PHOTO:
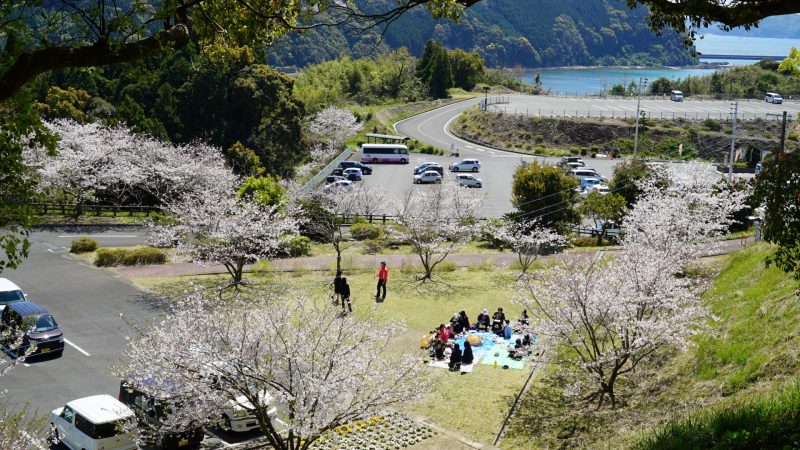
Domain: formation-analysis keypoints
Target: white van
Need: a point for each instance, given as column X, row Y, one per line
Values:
column 99, row 422
column 676, row 96
column 10, row 293
column 772, row 97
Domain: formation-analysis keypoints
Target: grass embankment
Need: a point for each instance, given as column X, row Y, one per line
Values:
column 739, row 370
column 473, row 404
column 677, row 139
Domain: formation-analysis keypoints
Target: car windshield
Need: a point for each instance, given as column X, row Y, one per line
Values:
column 11, row 296
column 45, row 323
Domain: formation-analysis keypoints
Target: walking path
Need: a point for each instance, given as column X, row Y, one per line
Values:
column 358, row 262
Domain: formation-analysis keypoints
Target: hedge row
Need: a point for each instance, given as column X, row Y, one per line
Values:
column 129, row 256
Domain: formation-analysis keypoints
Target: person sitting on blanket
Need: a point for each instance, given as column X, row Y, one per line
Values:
column 526, row 342
column 507, row 331
column 467, row 357
column 463, row 320
column 438, row 350
column 483, row 321
column 455, row 323
column 524, row 319
column 498, row 319
column 455, row 358
column 517, row 351
column 442, row 333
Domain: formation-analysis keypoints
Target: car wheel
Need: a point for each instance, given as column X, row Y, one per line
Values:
column 439, row 181
column 474, row 169
column 403, row 161
column 478, row 185
column 455, row 169
column 374, row 160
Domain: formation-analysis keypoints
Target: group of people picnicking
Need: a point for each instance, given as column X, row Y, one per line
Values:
column 442, row 346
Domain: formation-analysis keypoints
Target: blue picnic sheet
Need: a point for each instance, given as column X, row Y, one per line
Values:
column 489, row 347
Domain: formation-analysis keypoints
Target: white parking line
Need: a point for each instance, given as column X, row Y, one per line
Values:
column 76, row 347
column 102, row 235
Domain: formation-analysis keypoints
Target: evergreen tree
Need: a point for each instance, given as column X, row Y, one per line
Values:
column 440, row 75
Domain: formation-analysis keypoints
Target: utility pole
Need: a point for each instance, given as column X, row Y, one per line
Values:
column 642, row 82
column 783, row 133
column 734, row 111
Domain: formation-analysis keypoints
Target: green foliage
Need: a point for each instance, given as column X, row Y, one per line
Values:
column 446, row 266
column 366, row 231
column 83, row 245
column 67, row 103
column 617, row 89
column 791, row 64
column 467, row 68
column 583, row 241
column 244, row 161
column 109, row 257
column 754, row 81
column 296, row 246
column 546, row 193
column 778, row 189
column 661, row 86
column 263, row 190
column 627, row 174
column 602, row 209
column 433, row 69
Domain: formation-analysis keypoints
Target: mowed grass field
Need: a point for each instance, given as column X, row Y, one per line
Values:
column 473, row 405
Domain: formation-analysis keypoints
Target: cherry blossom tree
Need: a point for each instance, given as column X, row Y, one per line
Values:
column 220, row 228
column 125, row 168
column 320, row 369
column 334, row 125
column 613, row 314
column 528, row 240
column 324, row 217
column 17, row 430
column 436, row 220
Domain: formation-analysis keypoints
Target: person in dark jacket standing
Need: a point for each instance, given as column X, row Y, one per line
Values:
column 337, row 287
column 383, row 277
column 345, row 292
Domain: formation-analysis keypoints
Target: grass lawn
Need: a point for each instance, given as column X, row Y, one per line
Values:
column 472, row 404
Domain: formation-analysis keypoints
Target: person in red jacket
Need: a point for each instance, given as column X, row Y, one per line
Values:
column 383, row 276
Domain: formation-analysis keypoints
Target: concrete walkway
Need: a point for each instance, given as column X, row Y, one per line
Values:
column 358, row 262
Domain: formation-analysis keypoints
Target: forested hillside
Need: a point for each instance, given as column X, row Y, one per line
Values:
column 508, row 33
column 784, row 27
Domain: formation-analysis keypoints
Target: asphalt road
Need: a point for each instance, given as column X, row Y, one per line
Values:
column 87, row 303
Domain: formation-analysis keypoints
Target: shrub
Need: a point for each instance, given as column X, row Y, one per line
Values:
column 83, row 245
column 793, row 137
column 365, row 231
column 296, row 246
column 109, row 257
column 594, row 154
column 712, row 124
column 584, row 151
column 584, row 241
column 447, row 266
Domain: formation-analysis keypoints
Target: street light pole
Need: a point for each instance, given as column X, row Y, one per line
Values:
column 642, row 82
column 486, row 99
column 734, row 111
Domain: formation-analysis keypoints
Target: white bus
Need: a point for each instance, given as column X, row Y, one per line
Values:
column 384, row 153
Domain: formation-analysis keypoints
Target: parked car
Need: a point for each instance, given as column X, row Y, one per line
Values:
column 365, row 169
column 338, row 171
column 151, row 414
column 331, row 178
column 339, row 185
column 772, row 97
column 466, row 165
column 352, row 174
column 429, row 176
column 469, row 181
column 676, row 96
column 25, row 325
column 570, row 159
column 10, row 293
column 575, row 165
column 601, row 188
column 419, row 168
column 99, row 422
column 589, row 182
column 585, row 172
column 434, row 167
column 759, row 168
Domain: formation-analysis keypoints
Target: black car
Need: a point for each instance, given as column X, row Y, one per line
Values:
column 26, row 325
column 337, row 171
column 365, row 169
column 435, row 168
column 151, row 413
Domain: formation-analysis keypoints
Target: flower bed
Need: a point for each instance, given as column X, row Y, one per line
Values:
column 391, row 431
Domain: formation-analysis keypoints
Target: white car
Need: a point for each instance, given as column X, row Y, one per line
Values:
column 338, row 185
column 575, row 165
column 601, row 188
column 99, row 422
column 469, row 181
column 429, row 176
column 466, row 165
column 772, row 97
column 352, row 174
column 585, row 172
column 421, row 167
column 10, row 293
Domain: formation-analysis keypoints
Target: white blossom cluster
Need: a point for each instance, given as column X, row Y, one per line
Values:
column 528, row 240
column 612, row 314
column 320, row 369
column 127, row 168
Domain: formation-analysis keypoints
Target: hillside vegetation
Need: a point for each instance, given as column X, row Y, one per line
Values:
column 742, row 366
column 506, row 33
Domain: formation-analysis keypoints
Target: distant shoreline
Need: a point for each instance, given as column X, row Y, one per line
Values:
column 701, row 65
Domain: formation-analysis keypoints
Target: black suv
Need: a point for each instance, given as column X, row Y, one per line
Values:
column 25, row 325
column 150, row 413
column 365, row 169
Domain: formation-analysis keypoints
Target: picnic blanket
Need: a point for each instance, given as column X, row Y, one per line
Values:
column 503, row 360
column 479, row 351
column 484, row 354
